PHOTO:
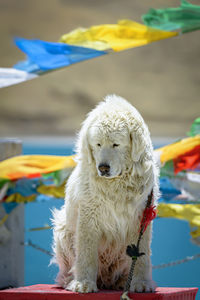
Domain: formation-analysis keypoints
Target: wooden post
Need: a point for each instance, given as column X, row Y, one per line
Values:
column 12, row 230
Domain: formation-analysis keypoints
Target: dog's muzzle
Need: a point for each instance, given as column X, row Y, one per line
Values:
column 104, row 170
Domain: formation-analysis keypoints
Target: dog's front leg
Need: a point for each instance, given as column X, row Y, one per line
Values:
column 142, row 277
column 86, row 248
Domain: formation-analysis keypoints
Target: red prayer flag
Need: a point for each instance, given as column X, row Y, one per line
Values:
column 188, row 160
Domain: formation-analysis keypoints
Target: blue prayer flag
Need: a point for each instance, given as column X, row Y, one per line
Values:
column 44, row 56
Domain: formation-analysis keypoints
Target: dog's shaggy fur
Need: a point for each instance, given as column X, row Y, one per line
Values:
column 105, row 198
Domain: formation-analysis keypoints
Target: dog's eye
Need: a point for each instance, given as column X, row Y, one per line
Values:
column 99, row 145
column 115, row 145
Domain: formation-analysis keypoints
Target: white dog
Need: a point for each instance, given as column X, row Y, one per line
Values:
column 105, row 198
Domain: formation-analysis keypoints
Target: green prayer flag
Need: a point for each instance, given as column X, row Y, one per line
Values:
column 185, row 18
column 195, row 128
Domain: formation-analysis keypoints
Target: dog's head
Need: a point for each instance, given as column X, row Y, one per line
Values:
column 114, row 140
column 110, row 146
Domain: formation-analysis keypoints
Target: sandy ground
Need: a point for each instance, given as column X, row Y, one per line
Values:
column 161, row 80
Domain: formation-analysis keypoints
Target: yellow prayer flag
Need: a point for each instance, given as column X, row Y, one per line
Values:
column 30, row 165
column 174, row 150
column 188, row 212
column 123, row 35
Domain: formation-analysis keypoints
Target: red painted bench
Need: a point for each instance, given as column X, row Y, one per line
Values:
column 53, row 292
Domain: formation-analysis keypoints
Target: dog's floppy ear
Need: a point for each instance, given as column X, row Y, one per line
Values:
column 86, row 147
column 82, row 146
column 139, row 144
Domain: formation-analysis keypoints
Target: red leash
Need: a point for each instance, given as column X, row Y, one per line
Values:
column 148, row 215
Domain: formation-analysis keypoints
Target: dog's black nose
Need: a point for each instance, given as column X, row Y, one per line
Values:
column 104, row 169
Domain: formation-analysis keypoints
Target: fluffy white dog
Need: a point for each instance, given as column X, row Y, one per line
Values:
column 105, row 198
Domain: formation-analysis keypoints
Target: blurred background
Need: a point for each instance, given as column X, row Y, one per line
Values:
column 161, row 80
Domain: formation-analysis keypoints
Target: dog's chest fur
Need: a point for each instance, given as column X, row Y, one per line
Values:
column 118, row 218
column 117, row 208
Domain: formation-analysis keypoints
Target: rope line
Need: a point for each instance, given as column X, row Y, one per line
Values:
column 160, row 266
column 36, row 247
column 177, row 262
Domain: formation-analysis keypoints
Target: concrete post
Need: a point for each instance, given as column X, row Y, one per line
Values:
column 12, row 231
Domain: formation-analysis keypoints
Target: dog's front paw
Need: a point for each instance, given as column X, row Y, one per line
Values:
column 84, row 286
column 145, row 286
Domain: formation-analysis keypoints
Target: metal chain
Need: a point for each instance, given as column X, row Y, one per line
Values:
column 130, row 276
column 135, row 249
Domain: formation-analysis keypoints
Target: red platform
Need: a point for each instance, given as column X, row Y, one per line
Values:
column 53, row 292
